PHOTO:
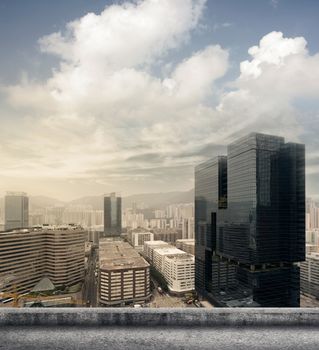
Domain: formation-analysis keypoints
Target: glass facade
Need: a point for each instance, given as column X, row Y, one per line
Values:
column 257, row 228
column 210, row 195
column 16, row 210
column 112, row 215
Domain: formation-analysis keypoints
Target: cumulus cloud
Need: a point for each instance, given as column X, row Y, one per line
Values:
column 192, row 79
column 280, row 72
column 104, row 116
column 273, row 49
column 127, row 35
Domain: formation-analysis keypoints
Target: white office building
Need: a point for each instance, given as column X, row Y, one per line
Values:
column 179, row 273
column 159, row 255
column 149, row 247
column 137, row 239
column 186, row 245
column 309, row 275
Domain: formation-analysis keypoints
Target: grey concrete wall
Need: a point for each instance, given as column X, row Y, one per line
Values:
column 159, row 317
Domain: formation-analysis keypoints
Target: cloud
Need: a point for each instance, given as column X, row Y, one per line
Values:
column 105, row 119
column 103, row 106
column 192, row 79
column 274, row 3
column 273, row 91
column 125, row 35
column 273, row 49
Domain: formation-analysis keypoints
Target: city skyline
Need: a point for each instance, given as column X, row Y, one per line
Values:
column 129, row 96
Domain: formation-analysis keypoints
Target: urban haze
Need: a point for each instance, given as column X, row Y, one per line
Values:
column 159, row 154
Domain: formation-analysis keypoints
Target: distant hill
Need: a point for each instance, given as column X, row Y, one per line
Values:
column 37, row 202
column 159, row 200
column 150, row 200
column 95, row 201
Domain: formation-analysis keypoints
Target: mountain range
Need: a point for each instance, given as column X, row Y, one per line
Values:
column 148, row 200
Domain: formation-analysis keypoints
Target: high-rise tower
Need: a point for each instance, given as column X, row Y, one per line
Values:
column 250, row 223
column 16, row 210
column 112, row 215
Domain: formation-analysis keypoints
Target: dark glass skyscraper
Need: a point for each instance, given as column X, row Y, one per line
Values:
column 210, row 194
column 250, row 223
column 112, row 215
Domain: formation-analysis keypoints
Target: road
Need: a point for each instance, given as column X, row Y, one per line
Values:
column 90, row 282
column 243, row 338
column 164, row 300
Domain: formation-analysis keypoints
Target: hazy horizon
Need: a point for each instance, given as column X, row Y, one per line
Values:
column 31, row 195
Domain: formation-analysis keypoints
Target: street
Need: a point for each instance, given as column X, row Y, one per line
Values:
column 164, row 300
column 90, row 281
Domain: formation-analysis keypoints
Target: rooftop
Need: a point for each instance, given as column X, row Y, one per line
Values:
column 118, row 255
column 12, row 193
column 43, row 228
column 43, row 285
column 168, row 251
column 313, row 255
column 181, row 257
column 155, row 243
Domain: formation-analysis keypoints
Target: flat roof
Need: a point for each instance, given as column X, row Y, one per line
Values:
column 169, row 251
column 181, row 257
column 313, row 255
column 119, row 255
column 16, row 193
column 156, row 243
column 43, row 229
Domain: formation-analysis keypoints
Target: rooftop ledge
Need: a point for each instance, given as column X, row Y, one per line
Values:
column 93, row 317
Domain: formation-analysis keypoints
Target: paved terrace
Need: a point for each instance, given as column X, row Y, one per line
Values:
column 159, row 328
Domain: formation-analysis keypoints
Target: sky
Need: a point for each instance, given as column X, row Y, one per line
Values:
column 128, row 96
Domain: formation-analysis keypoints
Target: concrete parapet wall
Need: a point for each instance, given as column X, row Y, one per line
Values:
column 93, row 317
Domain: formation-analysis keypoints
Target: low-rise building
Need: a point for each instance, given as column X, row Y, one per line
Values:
column 149, row 247
column 28, row 255
column 187, row 245
column 311, row 248
column 312, row 236
column 176, row 266
column 159, row 255
column 124, row 276
column 309, row 275
column 137, row 239
column 179, row 272
column 168, row 235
